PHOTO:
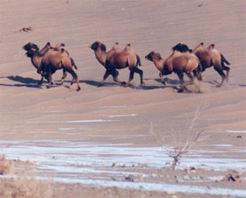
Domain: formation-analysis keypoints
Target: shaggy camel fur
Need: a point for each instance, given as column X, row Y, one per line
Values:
column 178, row 63
column 210, row 56
column 59, row 48
column 48, row 60
column 33, row 52
column 116, row 58
column 54, row 60
column 181, row 47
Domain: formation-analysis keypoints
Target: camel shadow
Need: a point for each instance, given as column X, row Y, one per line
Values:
column 241, row 85
column 124, row 84
column 168, row 81
column 21, row 82
column 99, row 84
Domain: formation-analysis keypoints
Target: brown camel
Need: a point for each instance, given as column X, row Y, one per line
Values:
column 210, row 56
column 59, row 48
column 41, row 59
column 117, row 58
column 33, row 52
column 36, row 55
column 178, row 63
column 54, row 60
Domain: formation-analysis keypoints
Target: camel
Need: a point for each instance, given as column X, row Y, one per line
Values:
column 33, row 52
column 60, row 48
column 178, row 63
column 54, row 60
column 41, row 60
column 210, row 56
column 36, row 55
column 117, row 58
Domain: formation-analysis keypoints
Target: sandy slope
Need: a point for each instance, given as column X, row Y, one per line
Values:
column 28, row 112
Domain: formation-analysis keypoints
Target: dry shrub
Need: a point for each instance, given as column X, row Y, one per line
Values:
column 25, row 188
column 5, row 165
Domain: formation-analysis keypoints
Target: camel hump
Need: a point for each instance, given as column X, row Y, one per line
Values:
column 181, row 47
column 212, row 46
column 128, row 47
column 47, row 44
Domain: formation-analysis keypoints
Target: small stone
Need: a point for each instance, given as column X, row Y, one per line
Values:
column 129, row 178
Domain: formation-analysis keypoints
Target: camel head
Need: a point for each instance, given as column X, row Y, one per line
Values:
column 181, row 47
column 153, row 56
column 97, row 45
column 30, row 46
column 31, row 49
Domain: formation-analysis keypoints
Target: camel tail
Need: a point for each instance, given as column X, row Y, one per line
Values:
column 223, row 59
column 73, row 64
column 139, row 61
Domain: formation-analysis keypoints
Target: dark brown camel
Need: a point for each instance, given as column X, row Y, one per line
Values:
column 48, row 60
column 117, row 59
column 178, row 63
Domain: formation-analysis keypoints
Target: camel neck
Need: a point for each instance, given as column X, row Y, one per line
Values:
column 101, row 56
column 158, row 64
column 36, row 61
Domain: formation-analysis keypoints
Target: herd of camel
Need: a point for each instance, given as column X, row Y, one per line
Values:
column 182, row 60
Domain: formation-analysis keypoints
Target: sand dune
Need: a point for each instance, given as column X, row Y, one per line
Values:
column 28, row 112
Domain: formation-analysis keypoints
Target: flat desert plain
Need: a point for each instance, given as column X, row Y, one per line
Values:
column 120, row 141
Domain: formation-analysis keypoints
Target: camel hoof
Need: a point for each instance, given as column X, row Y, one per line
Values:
column 123, row 83
column 78, row 89
column 180, row 90
column 164, row 83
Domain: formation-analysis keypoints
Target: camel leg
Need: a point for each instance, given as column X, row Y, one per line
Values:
column 63, row 76
column 190, row 76
column 41, row 81
column 227, row 71
column 221, row 73
column 105, row 76
column 111, row 69
column 131, row 76
column 140, row 72
column 181, row 78
column 49, row 79
column 115, row 75
column 75, row 78
column 198, row 73
column 73, row 63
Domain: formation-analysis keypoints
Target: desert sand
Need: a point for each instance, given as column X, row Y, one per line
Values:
column 152, row 116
